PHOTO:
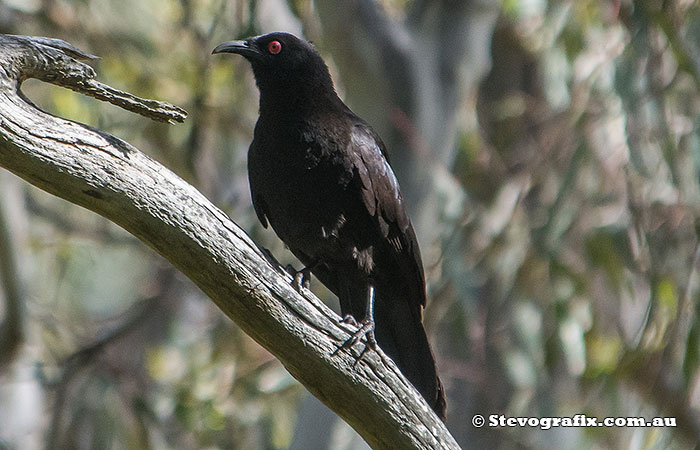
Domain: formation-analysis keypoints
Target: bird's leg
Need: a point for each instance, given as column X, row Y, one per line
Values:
column 302, row 278
column 366, row 327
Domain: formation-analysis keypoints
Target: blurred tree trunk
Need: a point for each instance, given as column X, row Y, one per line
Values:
column 12, row 235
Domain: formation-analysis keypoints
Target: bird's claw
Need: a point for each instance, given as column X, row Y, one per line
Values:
column 366, row 330
column 350, row 320
column 302, row 278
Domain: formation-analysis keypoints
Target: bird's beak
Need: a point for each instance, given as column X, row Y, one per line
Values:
column 241, row 47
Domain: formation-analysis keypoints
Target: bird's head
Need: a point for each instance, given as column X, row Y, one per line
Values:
column 282, row 62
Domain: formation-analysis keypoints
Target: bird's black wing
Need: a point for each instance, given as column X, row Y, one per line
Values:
column 382, row 199
column 398, row 273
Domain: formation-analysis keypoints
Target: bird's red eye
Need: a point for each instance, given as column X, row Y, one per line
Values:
column 274, row 47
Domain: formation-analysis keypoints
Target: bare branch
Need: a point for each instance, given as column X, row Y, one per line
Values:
column 79, row 77
column 108, row 176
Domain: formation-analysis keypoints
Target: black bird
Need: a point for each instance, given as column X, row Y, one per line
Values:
column 320, row 176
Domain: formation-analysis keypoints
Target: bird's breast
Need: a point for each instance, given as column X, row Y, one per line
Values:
column 302, row 194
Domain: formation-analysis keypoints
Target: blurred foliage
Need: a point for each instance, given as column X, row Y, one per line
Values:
column 570, row 285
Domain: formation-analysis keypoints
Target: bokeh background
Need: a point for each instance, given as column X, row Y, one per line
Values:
column 549, row 151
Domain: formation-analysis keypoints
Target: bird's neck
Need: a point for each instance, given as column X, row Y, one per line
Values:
column 304, row 94
column 299, row 104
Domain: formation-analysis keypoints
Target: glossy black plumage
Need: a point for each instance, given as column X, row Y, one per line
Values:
column 319, row 176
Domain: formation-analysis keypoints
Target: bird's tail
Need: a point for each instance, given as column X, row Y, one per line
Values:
column 400, row 334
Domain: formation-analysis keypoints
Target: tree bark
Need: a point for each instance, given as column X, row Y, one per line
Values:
column 110, row 177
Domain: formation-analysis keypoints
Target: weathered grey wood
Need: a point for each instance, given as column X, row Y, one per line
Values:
column 110, row 177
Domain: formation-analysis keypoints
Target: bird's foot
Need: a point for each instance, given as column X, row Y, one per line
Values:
column 366, row 329
column 350, row 320
column 302, row 278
